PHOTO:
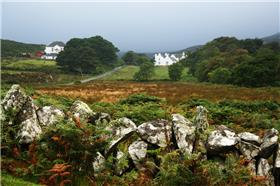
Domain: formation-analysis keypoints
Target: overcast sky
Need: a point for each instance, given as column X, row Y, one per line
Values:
column 142, row 27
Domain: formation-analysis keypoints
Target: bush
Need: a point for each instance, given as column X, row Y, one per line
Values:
column 145, row 72
column 73, row 144
column 175, row 71
column 220, row 75
column 140, row 99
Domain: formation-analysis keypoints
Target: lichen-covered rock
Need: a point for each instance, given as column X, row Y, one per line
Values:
column 98, row 163
column 29, row 128
column 264, row 169
column 14, row 99
column 248, row 150
column 277, row 157
column 221, row 140
column 269, row 145
column 200, row 120
column 100, row 118
column 249, row 137
column 49, row 115
column 157, row 132
column 276, row 169
column 184, row 132
column 252, row 167
column 119, row 130
column 122, row 163
column 81, row 110
column 138, row 151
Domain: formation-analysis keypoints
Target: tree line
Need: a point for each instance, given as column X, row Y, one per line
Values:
column 227, row 60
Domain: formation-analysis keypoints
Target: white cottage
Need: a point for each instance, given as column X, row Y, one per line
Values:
column 167, row 59
column 52, row 50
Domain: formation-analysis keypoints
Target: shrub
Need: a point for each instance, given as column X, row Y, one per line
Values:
column 220, row 75
column 175, row 71
column 140, row 99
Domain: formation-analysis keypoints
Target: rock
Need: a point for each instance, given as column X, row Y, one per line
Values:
column 221, row 140
column 49, row 115
column 264, row 169
column 99, row 163
column 269, row 145
column 14, row 99
column 249, row 137
column 184, row 132
column 29, row 128
column 119, row 131
column 138, row 151
column 100, row 118
column 122, row 163
column 252, row 167
column 81, row 110
column 277, row 157
column 248, row 150
column 200, row 120
column 157, row 132
column 276, row 168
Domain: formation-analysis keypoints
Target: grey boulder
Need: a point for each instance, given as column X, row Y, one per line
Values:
column 81, row 110
column 250, row 137
column 221, row 140
column 201, row 121
column 138, row 151
column 119, row 130
column 248, row 150
column 29, row 128
column 184, row 132
column 156, row 132
column 269, row 145
column 264, row 169
column 49, row 115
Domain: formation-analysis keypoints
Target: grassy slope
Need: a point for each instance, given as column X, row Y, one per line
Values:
column 32, row 71
column 8, row 180
column 161, row 73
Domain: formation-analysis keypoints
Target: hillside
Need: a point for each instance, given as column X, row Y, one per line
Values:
column 272, row 38
column 11, row 48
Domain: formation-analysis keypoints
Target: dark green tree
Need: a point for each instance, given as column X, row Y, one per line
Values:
column 130, row 58
column 175, row 71
column 89, row 55
column 145, row 72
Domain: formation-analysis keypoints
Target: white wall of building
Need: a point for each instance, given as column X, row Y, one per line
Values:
column 167, row 59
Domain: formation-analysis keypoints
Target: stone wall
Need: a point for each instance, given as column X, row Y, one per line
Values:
column 19, row 110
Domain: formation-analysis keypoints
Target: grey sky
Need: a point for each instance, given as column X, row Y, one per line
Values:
column 142, row 27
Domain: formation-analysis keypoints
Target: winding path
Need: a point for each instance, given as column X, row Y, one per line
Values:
column 98, row 76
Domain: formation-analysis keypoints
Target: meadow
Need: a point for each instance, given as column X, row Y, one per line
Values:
column 35, row 71
column 160, row 74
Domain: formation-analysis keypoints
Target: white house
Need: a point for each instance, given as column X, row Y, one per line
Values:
column 52, row 50
column 167, row 59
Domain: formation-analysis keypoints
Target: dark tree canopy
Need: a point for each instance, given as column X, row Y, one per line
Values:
column 246, row 62
column 89, row 55
column 132, row 58
column 175, row 71
column 145, row 72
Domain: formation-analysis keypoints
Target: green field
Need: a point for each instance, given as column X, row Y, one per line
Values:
column 44, row 72
column 161, row 74
column 32, row 71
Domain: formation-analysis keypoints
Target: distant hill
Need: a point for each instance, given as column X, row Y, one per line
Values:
column 11, row 48
column 272, row 38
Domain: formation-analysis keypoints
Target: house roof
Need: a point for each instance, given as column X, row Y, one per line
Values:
column 59, row 43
